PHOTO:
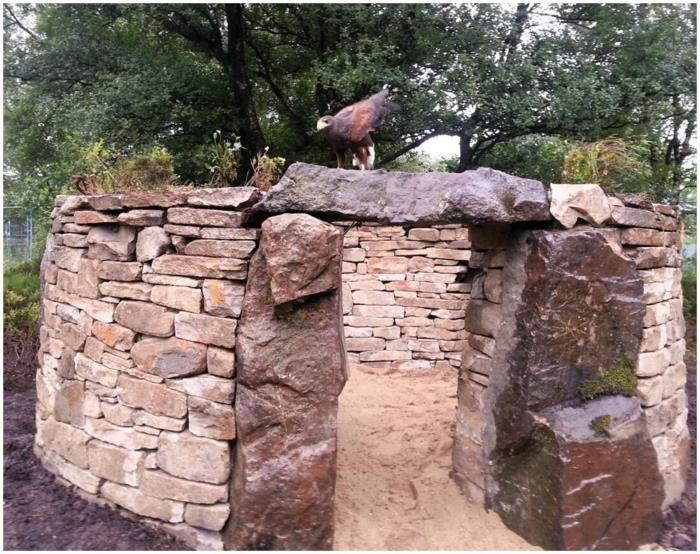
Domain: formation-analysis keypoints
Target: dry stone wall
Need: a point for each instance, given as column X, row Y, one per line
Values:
column 179, row 386
column 141, row 299
column 404, row 295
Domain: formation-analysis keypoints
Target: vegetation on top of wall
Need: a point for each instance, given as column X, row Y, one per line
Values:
column 620, row 379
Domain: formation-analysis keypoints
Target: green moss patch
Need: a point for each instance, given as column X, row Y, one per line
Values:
column 618, row 380
column 601, row 424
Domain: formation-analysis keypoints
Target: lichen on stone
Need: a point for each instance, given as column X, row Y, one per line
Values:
column 601, row 424
column 620, row 379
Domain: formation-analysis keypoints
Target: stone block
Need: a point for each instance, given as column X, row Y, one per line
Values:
column 135, row 501
column 389, row 264
column 650, row 390
column 170, row 357
column 388, row 333
column 65, row 440
column 157, row 399
column 114, row 335
column 114, row 463
column 145, row 318
column 207, row 517
column 380, row 298
column 195, row 458
column 227, row 197
column 86, row 368
column 132, row 291
column 78, row 476
column 206, row 329
column 673, row 379
column 69, row 401
column 68, row 258
column 221, row 362
column 141, row 218
column 363, row 344
column 162, row 485
column 179, row 298
column 126, row 437
column 223, row 298
column 200, row 266
column 654, row 363
column 204, row 217
column 207, row 386
column 151, row 243
column 430, row 235
column 220, row 248
column 119, row 271
column 112, row 242
column 211, row 419
column 142, row 418
column 353, row 254
column 118, row 414
column 483, row 318
column 570, row 203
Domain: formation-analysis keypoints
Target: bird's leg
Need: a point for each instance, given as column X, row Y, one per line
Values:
column 340, row 158
column 370, row 157
column 362, row 156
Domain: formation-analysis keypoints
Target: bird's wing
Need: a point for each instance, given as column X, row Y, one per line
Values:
column 363, row 117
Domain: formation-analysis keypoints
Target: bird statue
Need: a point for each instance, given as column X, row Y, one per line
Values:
column 351, row 126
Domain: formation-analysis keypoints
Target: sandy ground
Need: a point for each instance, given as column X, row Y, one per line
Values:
column 393, row 490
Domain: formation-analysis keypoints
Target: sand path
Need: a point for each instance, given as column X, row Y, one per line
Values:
column 393, row 490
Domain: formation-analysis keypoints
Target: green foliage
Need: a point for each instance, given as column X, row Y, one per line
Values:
column 224, row 160
column 690, row 287
column 601, row 424
column 616, row 164
column 107, row 171
column 620, row 379
column 21, row 295
column 266, row 171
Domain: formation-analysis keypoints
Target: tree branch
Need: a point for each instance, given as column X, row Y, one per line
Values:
column 401, row 151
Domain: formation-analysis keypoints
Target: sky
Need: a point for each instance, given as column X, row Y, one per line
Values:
column 441, row 146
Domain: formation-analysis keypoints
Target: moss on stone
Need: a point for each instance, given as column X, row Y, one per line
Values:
column 601, row 424
column 618, row 380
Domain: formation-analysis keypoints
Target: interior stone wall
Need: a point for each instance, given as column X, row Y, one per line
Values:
column 404, row 295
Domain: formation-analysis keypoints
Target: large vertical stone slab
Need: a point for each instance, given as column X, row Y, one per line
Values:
column 290, row 365
column 572, row 311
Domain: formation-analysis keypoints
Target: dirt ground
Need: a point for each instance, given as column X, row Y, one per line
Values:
column 393, row 490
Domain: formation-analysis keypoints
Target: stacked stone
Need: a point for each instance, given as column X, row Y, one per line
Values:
column 141, row 297
column 483, row 317
column 404, row 296
column 651, row 235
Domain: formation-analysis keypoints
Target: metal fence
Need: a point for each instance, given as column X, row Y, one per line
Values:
column 18, row 234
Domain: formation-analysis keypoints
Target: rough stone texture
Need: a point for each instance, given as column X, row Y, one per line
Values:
column 146, row 318
column 113, row 335
column 195, row 458
column 114, row 463
column 550, row 492
column 233, row 197
column 205, row 328
column 179, row 298
column 207, row 517
column 221, row 362
column 211, row 419
column 480, row 196
column 302, row 254
column 135, row 501
column 141, row 218
column 200, row 266
column 154, row 398
column 205, row 217
column 564, row 290
column 223, row 298
column 220, row 248
column 111, row 242
column 151, row 243
column 161, row 485
column 170, row 357
column 286, row 403
column 571, row 202
column 120, row 271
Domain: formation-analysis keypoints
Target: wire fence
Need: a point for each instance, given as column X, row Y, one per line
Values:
column 18, row 234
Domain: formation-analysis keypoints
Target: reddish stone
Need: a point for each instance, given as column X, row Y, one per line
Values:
column 290, row 370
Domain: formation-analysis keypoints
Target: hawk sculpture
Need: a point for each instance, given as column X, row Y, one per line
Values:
column 351, row 126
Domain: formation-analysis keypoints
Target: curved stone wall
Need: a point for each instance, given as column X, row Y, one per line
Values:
column 150, row 391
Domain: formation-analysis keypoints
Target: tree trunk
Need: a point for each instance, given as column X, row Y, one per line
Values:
column 251, row 134
column 466, row 153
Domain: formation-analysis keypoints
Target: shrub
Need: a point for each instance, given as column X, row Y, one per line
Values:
column 106, row 171
column 690, row 283
column 21, row 295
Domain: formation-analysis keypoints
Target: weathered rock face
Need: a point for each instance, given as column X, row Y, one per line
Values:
column 574, row 290
column 572, row 310
column 286, row 406
column 572, row 488
column 302, row 255
column 480, row 196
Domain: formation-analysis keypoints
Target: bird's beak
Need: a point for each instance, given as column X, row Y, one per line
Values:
column 320, row 124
